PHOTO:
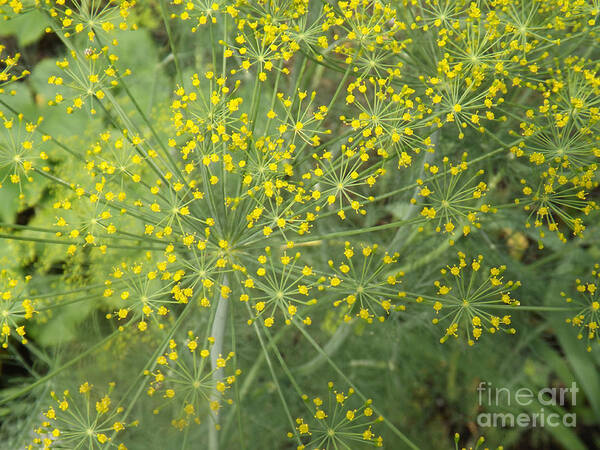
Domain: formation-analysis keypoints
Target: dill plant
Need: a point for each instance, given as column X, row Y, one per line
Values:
column 290, row 175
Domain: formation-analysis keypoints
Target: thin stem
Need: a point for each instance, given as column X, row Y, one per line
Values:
column 250, row 377
column 336, row 341
column 218, row 333
column 274, row 376
column 163, row 13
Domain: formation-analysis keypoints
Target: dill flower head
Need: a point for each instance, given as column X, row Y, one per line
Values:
column 186, row 384
column 280, row 285
column 84, row 77
column 460, row 99
column 571, row 146
column 13, row 6
column 341, row 182
column 587, row 303
column 20, row 150
column 367, row 281
column 386, row 117
column 559, row 200
column 451, row 201
column 15, row 306
column 470, row 298
column 201, row 12
column 8, row 64
column 339, row 421
column 117, row 159
column 142, row 295
column 84, row 420
column 301, row 119
column 92, row 18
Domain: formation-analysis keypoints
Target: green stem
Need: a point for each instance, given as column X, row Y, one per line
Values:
column 274, row 376
column 531, row 308
column 57, row 241
column 250, row 377
column 336, row 341
column 337, row 234
column 163, row 13
column 218, row 334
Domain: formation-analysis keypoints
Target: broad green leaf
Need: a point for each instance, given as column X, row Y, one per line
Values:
column 27, row 28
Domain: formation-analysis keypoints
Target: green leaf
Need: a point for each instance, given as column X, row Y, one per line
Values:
column 63, row 327
column 27, row 28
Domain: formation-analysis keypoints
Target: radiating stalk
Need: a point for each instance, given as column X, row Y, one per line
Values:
column 218, row 334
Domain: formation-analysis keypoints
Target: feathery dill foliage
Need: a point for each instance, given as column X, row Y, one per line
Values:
column 299, row 169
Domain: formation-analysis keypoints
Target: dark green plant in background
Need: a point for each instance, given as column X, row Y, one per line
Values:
column 293, row 224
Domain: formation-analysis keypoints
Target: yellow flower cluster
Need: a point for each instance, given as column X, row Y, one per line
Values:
column 81, row 420
column 313, row 160
column 337, row 422
column 587, row 304
column 187, row 383
column 472, row 299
